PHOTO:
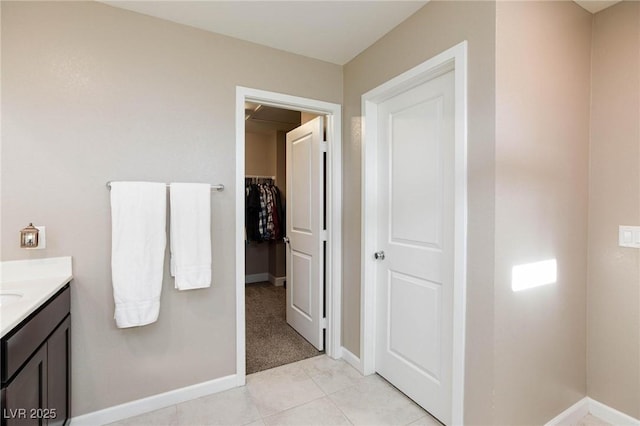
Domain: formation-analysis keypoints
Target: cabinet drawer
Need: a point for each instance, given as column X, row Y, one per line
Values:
column 17, row 348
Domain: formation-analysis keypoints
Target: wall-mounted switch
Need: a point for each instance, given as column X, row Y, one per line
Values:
column 629, row 236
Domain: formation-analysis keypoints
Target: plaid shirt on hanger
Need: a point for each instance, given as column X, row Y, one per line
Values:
column 262, row 214
column 270, row 225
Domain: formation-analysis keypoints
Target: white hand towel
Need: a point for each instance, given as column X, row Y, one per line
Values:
column 139, row 238
column 191, row 235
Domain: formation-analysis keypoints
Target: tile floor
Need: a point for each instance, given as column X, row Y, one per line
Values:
column 591, row 420
column 315, row 391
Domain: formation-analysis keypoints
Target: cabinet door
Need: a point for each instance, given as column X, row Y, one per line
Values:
column 26, row 396
column 59, row 374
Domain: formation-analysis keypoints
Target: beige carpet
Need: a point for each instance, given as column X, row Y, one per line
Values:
column 271, row 342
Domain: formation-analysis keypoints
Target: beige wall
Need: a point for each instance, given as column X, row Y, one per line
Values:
column 277, row 259
column 260, row 154
column 542, row 146
column 613, row 330
column 257, row 258
column 436, row 27
column 307, row 116
column 95, row 93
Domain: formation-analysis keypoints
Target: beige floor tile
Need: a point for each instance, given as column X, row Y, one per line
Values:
column 426, row 421
column 282, row 388
column 332, row 375
column 232, row 407
column 163, row 417
column 296, row 394
column 318, row 412
column 374, row 402
column 591, row 420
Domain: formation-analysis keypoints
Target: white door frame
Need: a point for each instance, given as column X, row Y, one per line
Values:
column 334, row 213
column 454, row 59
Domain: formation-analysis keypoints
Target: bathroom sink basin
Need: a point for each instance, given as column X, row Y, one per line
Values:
column 9, row 298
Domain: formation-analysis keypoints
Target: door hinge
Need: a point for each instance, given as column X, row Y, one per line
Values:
column 323, row 146
column 324, row 235
column 323, row 321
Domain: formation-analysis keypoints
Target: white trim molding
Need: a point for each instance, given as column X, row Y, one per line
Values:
column 334, row 213
column 571, row 415
column 351, row 359
column 155, row 402
column 277, row 281
column 611, row 415
column 454, row 59
column 586, row 406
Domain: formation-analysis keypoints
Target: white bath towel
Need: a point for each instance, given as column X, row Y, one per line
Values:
column 190, row 235
column 139, row 238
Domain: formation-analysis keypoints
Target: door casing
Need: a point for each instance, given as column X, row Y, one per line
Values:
column 454, row 59
column 333, row 277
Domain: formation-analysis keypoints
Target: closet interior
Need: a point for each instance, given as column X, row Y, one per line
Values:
column 270, row 341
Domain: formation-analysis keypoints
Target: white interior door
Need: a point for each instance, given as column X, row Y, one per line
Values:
column 414, row 288
column 305, row 254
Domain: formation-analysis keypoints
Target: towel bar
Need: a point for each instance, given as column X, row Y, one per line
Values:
column 218, row 187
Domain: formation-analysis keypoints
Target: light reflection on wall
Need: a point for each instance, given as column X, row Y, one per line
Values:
column 530, row 275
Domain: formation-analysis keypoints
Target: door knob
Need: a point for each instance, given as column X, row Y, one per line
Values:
column 286, row 240
column 379, row 255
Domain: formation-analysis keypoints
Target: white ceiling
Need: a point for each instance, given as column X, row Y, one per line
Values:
column 266, row 119
column 595, row 6
column 332, row 31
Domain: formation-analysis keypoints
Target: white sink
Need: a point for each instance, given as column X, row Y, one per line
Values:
column 9, row 298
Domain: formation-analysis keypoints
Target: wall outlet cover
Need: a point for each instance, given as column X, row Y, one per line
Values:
column 629, row 236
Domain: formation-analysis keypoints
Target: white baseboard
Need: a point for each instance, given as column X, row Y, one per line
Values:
column 351, row 359
column 571, row 415
column 155, row 402
column 256, row 278
column 611, row 415
column 585, row 406
column 277, row 281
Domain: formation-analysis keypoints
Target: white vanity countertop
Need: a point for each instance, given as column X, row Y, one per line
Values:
column 35, row 281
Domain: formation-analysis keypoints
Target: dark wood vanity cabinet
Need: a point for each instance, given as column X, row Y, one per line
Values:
column 26, row 392
column 59, row 374
column 36, row 366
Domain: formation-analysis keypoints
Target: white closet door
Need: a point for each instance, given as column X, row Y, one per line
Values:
column 414, row 292
column 305, row 254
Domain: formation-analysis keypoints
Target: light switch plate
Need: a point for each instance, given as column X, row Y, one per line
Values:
column 629, row 236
